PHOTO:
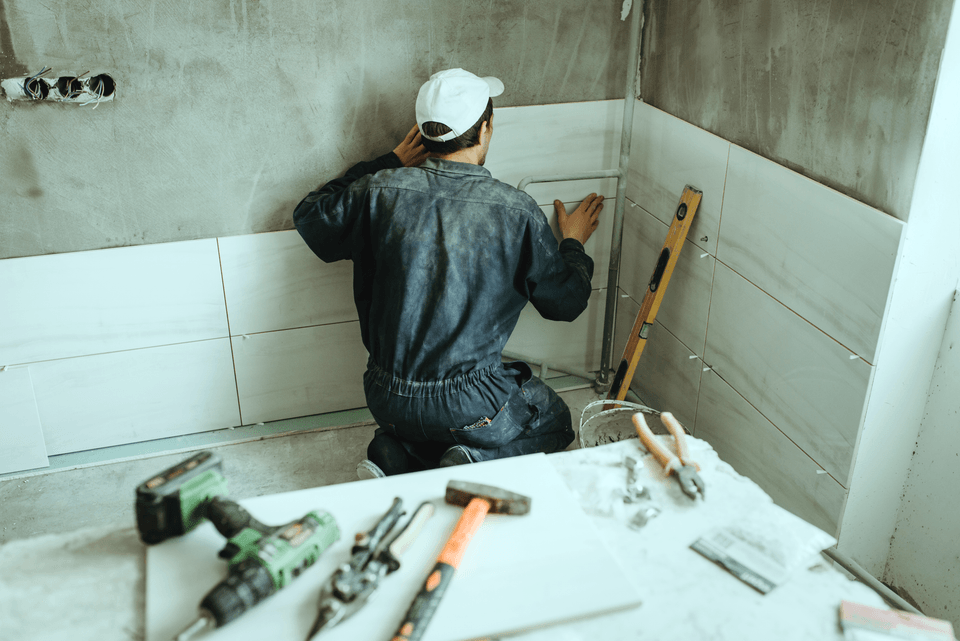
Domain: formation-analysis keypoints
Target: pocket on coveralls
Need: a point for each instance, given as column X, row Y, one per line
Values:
column 491, row 432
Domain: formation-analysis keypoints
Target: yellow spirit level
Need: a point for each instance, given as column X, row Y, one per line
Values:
column 682, row 219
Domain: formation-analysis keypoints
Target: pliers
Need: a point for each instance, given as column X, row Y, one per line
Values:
column 685, row 469
column 354, row 582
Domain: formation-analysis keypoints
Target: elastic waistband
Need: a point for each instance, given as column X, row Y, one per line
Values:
column 376, row 375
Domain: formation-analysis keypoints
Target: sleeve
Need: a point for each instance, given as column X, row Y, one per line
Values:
column 558, row 278
column 326, row 217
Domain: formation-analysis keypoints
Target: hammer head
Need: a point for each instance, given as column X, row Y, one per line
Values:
column 501, row 501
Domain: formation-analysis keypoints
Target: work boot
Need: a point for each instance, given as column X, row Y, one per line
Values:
column 456, row 455
column 367, row 469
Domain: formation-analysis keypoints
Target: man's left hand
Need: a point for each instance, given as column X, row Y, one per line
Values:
column 411, row 151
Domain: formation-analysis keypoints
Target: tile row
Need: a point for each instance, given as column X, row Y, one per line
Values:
column 766, row 337
column 827, row 257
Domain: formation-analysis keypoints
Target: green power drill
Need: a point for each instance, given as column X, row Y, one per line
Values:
column 261, row 558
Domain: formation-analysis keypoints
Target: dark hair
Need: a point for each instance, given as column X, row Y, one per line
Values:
column 467, row 139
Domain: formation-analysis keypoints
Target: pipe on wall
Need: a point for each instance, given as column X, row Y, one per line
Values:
column 603, row 381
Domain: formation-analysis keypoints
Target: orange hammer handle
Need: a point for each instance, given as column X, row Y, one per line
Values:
column 425, row 603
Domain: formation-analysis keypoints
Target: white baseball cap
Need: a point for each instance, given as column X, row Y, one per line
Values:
column 455, row 98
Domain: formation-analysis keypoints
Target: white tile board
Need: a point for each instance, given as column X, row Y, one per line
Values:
column 110, row 300
column 598, row 245
column 757, row 449
column 273, row 281
column 137, row 395
column 557, row 139
column 299, row 372
column 824, row 255
column 666, row 154
column 21, row 438
column 519, row 572
column 799, row 378
column 686, row 302
column 576, row 344
column 667, row 377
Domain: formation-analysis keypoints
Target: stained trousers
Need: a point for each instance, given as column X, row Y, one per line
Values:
column 498, row 412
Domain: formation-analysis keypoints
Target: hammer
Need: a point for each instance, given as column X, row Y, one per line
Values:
column 479, row 501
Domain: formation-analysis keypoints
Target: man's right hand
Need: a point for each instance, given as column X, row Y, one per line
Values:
column 411, row 151
column 581, row 224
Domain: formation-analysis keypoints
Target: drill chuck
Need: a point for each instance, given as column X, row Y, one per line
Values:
column 247, row 584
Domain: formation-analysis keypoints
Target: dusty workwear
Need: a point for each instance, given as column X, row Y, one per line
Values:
column 445, row 258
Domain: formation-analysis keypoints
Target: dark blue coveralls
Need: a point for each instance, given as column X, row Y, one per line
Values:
column 445, row 257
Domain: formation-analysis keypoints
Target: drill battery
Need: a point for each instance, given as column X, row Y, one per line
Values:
column 172, row 502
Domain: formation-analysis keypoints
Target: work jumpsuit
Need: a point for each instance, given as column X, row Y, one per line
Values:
column 445, row 257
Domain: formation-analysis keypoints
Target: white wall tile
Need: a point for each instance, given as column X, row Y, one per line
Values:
column 598, row 245
column 21, row 437
column 575, row 345
column 110, row 300
column 137, row 395
column 557, row 139
column 667, row 154
column 755, row 448
column 686, row 301
column 300, row 372
column 799, row 378
column 824, row 255
column 273, row 281
column 666, row 378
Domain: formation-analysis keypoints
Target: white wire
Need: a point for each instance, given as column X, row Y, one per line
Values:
column 97, row 99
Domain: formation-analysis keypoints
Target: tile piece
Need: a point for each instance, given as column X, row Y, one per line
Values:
column 110, row 300
column 181, row 570
column 666, row 154
column 137, row 395
column 754, row 447
column 299, row 372
column 575, row 345
column 686, row 302
column 21, row 436
column 598, row 246
column 799, row 378
column 273, row 281
column 557, row 139
column 824, row 255
column 666, row 378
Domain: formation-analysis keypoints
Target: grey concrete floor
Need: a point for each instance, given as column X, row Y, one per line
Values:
column 103, row 495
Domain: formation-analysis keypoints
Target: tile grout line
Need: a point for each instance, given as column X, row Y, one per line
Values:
column 226, row 311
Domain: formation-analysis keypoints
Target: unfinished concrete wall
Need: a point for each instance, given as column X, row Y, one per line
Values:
column 925, row 554
column 837, row 91
column 228, row 112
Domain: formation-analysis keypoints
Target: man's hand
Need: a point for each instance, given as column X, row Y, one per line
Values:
column 581, row 223
column 411, row 151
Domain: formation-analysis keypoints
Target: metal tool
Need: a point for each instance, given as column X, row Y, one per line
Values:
column 679, row 464
column 682, row 220
column 352, row 585
column 262, row 559
column 479, row 501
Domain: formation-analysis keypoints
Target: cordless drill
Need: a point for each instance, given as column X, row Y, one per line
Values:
column 261, row 558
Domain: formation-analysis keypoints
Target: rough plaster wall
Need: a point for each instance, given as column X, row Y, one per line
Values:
column 838, row 91
column 925, row 552
column 229, row 111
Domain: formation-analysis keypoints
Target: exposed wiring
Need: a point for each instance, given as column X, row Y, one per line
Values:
column 97, row 99
column 36, row 94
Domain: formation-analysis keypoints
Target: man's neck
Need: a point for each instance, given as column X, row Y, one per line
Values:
column 470, row 155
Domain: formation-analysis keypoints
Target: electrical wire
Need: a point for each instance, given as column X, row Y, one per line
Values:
column 36, row 95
